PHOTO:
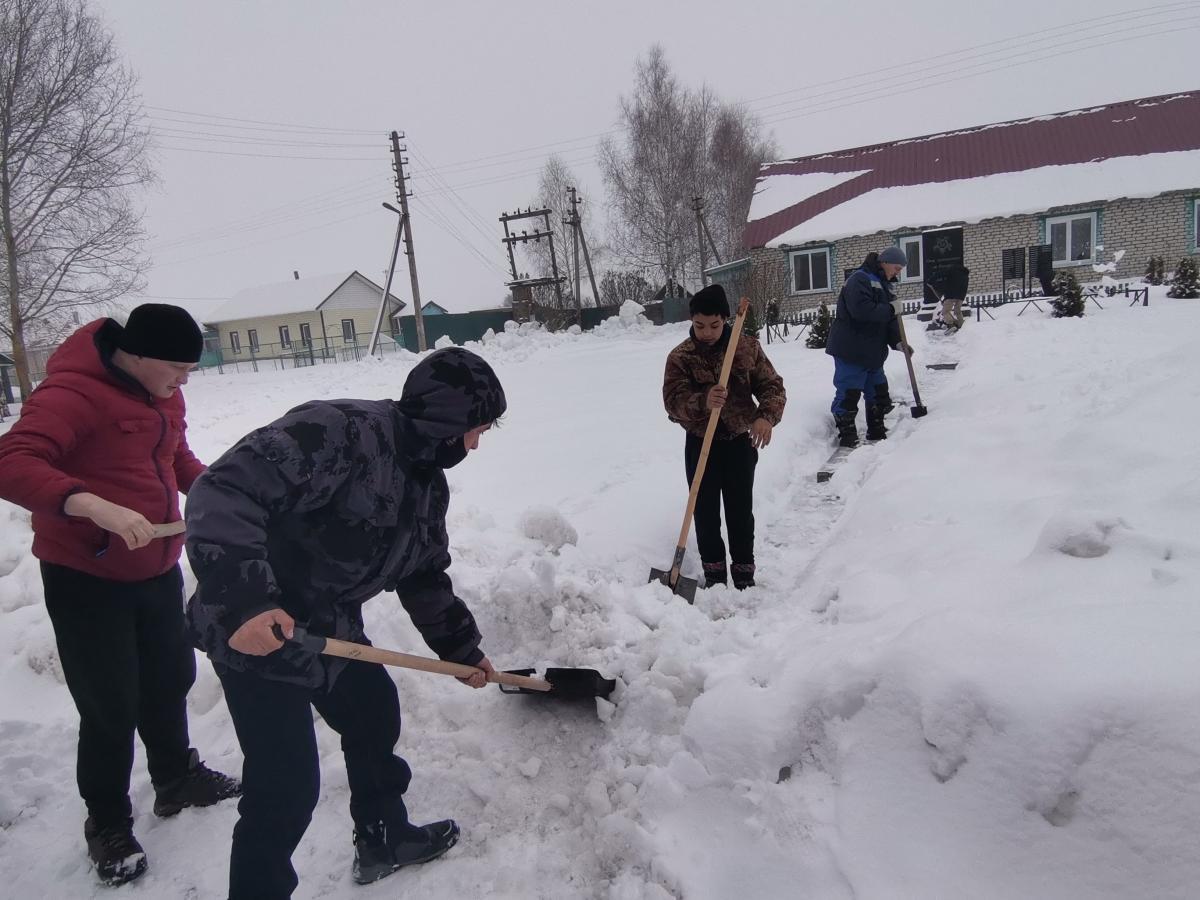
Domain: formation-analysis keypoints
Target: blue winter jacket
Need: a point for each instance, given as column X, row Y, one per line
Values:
column 865, row 324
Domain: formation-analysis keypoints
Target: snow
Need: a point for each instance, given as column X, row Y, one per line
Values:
column 969, row 668
column 279, row 298
column 775, row 193
column 972, row 200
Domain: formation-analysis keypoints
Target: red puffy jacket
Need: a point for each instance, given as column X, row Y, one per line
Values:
column 90, row 427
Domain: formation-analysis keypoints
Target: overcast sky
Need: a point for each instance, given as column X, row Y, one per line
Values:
column 486, row 91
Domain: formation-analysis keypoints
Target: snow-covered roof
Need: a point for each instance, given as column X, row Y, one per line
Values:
column 1023, row 166
column 283, row 297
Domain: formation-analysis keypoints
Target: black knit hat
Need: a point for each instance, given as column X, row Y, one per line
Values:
column 162, row 332
column 710, row 301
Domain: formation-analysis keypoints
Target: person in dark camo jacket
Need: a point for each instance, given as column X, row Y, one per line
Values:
column 304, row 520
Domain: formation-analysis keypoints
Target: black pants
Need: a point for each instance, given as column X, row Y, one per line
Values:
column 129, row 666
column 281, row 778
column 728, row 475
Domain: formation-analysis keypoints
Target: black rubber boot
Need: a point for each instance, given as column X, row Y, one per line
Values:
column 883, row 400
column 380, row 851
column 847, row 430
column 876, row 430
column 115, row 852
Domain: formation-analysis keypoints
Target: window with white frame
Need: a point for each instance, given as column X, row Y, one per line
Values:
column 348, row 334
column 252, row 336
column 1072, row 238
column 285, row 336
column 235, row 342
column 810, row 270
column 305, row 334
column 914, row 269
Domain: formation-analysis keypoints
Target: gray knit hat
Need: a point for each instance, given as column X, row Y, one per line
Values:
column 894, row 255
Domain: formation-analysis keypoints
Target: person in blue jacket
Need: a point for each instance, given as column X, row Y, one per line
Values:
column 863, row 328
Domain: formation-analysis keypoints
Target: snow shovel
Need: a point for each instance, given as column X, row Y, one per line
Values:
column 686, row 587
column 570, row 684
column 918, row 408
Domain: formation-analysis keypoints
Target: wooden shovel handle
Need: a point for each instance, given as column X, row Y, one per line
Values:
column 912, row 376
column 350, row 650
column 168, row 530
column 713, row 417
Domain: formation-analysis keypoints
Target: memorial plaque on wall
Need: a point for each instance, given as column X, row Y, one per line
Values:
column 943, row 251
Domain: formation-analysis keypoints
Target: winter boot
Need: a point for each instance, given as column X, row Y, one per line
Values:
column 201, row 786
column 714, row 574
column 844, row 420
column 743, row 575
column 379, row 851
column 115, row 852
column 883, row 399
column 876, row 430
column 847, row 430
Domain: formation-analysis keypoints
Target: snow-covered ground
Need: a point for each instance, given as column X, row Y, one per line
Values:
column 969, row 669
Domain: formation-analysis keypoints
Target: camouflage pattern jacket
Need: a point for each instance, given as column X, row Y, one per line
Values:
column 338, row 500
column 693, row 368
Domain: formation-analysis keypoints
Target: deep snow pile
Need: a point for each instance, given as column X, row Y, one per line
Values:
column 969, row 669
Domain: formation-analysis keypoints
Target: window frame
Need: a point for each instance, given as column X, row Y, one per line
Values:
column 252, row 339
column 1196, row 224
column 285, row 337
column 1066, row 219
column 235, row 343
column 908, row 239
column 353, row 332
column 810, row 252
column 305, row 334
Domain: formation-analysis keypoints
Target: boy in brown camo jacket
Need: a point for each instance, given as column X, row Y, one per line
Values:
column 751, row 406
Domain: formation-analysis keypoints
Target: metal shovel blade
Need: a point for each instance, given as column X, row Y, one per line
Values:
column 568, row 684
column 919, row 411
column 684, row 587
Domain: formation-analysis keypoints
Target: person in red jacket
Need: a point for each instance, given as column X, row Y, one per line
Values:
column 99, row 457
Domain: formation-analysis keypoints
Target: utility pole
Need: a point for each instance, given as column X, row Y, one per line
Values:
column 398, row 163
column 387, row 279
column 576, row 222
column 698, row 207
column 511, row 238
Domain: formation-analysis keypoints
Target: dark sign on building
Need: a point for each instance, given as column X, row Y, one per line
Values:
column 943, row 250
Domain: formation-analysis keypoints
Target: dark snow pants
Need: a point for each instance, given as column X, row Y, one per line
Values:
column 281, row 776
column 129, row 666
column 729, row 476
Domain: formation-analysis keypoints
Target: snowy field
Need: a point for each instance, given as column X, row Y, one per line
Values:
column 970, row 668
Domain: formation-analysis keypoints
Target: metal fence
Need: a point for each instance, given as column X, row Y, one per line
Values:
column 791, row 326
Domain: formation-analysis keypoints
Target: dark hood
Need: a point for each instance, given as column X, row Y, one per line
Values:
column 446, row 395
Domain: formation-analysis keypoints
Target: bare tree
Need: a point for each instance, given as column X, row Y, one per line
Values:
column 648, row 177
column 616, row 287
column 735, row 153
column 72, row 148
column 555, row 179
column 678, row 144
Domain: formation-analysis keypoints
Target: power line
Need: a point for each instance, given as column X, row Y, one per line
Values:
column 215, row 137
column 273, row 155
column 1038, row 35
column 939, row 79
column 260, row 122
column 270, row 240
